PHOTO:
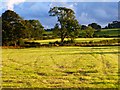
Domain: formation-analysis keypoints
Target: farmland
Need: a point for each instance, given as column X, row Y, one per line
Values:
column 102, row 33
column 61, row 67
column 76, row 40
column 39, row 51
column 109, row 32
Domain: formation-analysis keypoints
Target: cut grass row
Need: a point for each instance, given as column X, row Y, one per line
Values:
column 63, row 67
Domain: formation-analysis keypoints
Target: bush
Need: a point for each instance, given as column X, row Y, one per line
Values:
column 97, row 36
column 20, row 42
column 32, row 44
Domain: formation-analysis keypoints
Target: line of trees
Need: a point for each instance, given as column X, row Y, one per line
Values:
column 15, row 28
column 114, row 24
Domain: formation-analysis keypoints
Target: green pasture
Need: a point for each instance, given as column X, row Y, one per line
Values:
column 109, row 32
column 102, row 33
column 60, row 67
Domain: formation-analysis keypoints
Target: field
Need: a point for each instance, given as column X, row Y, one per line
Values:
column 76, row 40
column 103, row 33
column 60, row 67
column 109, row 32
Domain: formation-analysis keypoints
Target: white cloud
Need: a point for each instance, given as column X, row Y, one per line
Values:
column 51, row 5
column 63, row 4
column 9, row 4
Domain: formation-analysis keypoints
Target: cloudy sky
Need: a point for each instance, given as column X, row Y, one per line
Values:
column 101, row 12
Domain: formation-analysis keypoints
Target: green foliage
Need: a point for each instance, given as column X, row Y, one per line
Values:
column 11, row 26
column 14, row 28
column 68, row 26
column 73, row 29
column 114, row 24
column 89, row 32
column 95, row 26
column 37, row 29
column 83, row 27
column 21, row 42
column 56, row 30
column 31, row 44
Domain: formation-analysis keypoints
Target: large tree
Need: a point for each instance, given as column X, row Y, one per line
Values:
column 14, row 28
column 11, row 27
column 67, row 25
column 37, row 29
column 33, row 29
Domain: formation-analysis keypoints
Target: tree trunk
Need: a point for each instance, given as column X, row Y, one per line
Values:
column 72, row 40
column 62, row 39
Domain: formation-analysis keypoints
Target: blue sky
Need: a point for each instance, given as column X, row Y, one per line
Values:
column 86, row 12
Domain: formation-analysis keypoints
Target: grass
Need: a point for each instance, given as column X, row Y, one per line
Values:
column 60, row 67
column 109, row 32
column 103, row 32
column 76, row 40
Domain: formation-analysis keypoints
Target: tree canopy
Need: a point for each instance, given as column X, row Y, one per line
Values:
column 11, row 26
column 89, row 32
column 67, row 25
column 114, row 24
column 95, row 26
column 14, row 28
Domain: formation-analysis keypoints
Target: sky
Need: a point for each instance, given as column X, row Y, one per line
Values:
column 86, row 12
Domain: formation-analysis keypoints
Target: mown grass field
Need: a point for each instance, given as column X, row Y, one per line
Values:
column 76, row 40
column 60, row 67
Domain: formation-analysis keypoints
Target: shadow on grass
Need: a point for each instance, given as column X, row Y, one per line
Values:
column 89, row 53
column 102, row 82
column 102, row 48
column 83, row 72
column 98, row 53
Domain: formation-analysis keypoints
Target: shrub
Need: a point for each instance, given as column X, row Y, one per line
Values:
column 20, row 42
column 32, row 44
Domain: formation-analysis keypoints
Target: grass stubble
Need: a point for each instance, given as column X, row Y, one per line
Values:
column 60, row 67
